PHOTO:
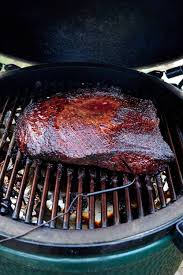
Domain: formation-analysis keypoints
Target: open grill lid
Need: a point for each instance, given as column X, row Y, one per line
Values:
column 129, row 33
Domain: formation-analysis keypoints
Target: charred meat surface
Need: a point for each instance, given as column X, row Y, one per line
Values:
column 98, row 127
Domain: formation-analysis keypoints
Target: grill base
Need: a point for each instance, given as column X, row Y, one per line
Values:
column 71, row 242
column 166, row 259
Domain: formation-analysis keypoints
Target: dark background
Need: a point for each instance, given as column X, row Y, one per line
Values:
column 121, row 32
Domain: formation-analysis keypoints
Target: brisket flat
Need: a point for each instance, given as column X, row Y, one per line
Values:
column 98, row 127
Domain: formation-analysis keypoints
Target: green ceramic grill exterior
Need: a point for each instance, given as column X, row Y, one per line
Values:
column 160, row 257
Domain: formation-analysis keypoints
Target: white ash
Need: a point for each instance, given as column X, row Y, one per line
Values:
column 13, row 206
column 49, row 204
column 13, row 200
column 6, row 118
column 34, row 220
column 165, row 182
column 10, row 165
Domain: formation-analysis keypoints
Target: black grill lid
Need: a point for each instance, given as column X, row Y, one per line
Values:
column 122, row 32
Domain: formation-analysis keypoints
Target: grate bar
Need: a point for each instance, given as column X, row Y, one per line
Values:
column 150, row 194
column 115, row 201
column 2, row 115
column 127, row 200
column 103, row 179
column 180, row 137
column 160, row 191
column 28, row 217
column 13, row 176
column 79, row 204
column 92, row 200
column 18, row 205
column 44, row 194
column 173, row 148
column 9, row 123
column 56, row 195
column 170, row 184
column 67, row 202
column 139, row 197
column 7, row 160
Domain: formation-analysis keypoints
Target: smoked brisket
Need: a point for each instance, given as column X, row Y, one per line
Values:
column 96, row 127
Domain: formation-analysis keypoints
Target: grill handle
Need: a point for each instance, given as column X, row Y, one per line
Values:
column 8, row 67
column 178, row 236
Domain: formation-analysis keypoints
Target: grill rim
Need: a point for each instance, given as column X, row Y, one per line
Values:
column 17, row 75
column 147, row 235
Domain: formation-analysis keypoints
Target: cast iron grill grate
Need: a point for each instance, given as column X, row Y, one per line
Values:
column 33, row 191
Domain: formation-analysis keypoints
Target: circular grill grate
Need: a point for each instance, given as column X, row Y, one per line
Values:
column 33, row 191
